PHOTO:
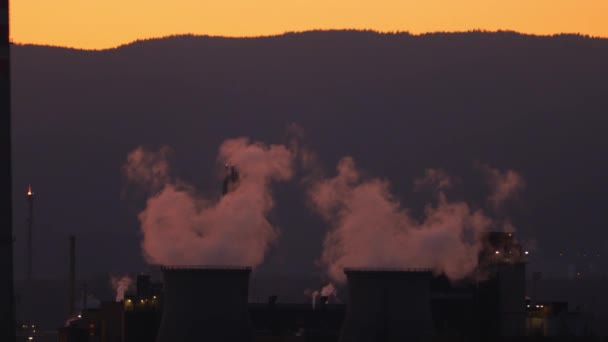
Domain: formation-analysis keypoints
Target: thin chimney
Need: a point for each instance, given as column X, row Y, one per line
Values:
column 30, row 224
column 72, row 279
column 231, row 179
column 85, row 296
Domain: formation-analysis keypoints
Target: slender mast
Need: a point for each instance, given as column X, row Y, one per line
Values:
column 30, row 225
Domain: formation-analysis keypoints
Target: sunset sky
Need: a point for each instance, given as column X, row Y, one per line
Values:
column 96, row 24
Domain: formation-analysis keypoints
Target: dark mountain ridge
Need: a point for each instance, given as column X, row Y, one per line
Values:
column 397, row 103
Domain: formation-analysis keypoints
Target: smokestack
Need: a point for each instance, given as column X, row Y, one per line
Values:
column 387, row 305
column 72, row 276
column 231, row 179
column 205, row 304
column 30, row 224
column 144, row 285
column 7, row 299
column 85, row 296
column 323, row 301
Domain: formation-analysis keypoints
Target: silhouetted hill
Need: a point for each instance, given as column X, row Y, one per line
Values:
column 397, row 103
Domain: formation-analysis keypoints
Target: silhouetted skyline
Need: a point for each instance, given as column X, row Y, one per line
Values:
column 64, row 23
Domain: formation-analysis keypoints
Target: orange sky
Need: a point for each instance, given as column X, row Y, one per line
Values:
column 96, row 24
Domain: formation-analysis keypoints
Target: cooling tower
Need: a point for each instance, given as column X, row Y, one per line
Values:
column 512, row 294
column 205, row 304
column 387, row 305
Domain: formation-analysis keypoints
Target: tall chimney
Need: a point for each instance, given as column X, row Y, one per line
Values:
column 72, row 276
column 85, row 296
column 205, row 304
column 7, row 299
column 231, row 179
column 30, row 224
column 387, row 305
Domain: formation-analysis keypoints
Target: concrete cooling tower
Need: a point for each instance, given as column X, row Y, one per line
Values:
column 205, row 304
column 387, row 305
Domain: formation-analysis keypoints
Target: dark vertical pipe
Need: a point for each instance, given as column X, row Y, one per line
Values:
column 85, row 296
column 30, row 224
column 7, row 299
column 72, row 280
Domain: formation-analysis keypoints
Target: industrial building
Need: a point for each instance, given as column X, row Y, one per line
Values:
column 197, row 304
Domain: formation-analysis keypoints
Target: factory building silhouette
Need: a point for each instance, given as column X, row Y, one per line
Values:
column 211, row 303
column 207, row 303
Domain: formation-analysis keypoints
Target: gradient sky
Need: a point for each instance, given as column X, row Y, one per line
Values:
column 96, row 24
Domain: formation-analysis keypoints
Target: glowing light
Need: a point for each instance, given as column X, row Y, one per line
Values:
column 526, row 252
column 528, row 305
column 29, row 190
column 153, row 297
column 542, row 306
column 497, row 252
column 30, row 338
column 128, row 301
column 79, row 316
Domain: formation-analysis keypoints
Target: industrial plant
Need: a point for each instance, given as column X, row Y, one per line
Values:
column 214, row 304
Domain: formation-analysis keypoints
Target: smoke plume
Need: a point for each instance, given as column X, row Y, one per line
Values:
column 435, row 179
column 370, row 228
column 182, row 227
column 148, row 170
column 121, row 285
column 328, row 291
column 504, row 185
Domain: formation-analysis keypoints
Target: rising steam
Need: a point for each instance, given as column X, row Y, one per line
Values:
column 121, row 285
column 182, row 227
column 370, row 228
column 328, row 291
column 503, row 185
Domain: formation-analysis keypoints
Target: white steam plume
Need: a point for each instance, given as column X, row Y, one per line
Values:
column 181, row 227
column 504, row 185
column 328, row 291
column 121, row 285
column 370, row 228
